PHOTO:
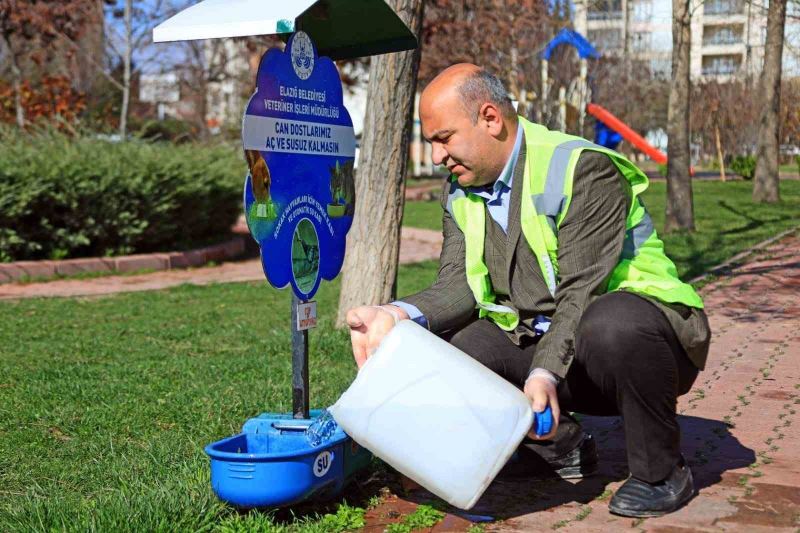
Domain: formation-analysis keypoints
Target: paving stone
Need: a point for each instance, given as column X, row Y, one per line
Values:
column 768, row 505
column 37, row 269
column 192, row 258
column 72, row 267
column 234, row 247
column 10, row 273
column 132, row 263
column 695, row 517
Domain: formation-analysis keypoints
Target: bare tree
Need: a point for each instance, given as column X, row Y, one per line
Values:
column 766, row 182
column 370, row 268
column 790, row 112
column 16, row 76
column 644, row 102
column 520, row 30
column 680, row 208
column 718, row 111
column 206, row 63
column 129, row 46
column 126, row 69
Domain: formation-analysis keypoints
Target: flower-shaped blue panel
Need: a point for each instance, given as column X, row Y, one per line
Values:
column 299, row 196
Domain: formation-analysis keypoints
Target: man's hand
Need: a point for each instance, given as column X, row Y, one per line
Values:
column 542, row 392
column 369, row 324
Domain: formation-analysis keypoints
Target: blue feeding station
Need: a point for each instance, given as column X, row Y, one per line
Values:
column 272, row 462
column 299, row 200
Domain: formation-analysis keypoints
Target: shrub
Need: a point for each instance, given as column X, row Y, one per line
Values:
column 169, row 129
column 77, row 197
column 744, row 165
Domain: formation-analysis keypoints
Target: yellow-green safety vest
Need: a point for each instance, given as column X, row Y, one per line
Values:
column 546, row 195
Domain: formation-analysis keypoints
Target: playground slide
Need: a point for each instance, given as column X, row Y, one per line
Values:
column 603, row 115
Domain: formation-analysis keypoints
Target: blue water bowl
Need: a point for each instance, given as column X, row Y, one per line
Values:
column 272, row 464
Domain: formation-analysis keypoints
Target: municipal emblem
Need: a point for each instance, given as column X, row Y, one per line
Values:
column 302, row 55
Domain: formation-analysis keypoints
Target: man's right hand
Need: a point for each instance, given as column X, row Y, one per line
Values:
column 369, row 324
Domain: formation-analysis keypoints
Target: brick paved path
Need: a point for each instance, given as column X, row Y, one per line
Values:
column 415, row 245
column 741, row 430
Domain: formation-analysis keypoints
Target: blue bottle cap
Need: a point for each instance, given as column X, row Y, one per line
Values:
column 543, row 422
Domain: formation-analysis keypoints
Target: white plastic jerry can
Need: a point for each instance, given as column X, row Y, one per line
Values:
column 434, row 414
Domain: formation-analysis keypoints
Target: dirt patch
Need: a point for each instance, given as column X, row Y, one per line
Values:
column 451, row 523
column 768, row 505
column 669, row 529
column 392, row 510
column 777, row 395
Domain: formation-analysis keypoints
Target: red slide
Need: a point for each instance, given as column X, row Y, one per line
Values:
column 604, row 115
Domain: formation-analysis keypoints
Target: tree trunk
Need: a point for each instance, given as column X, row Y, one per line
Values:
column 513, row 77
column 680, row 211
column 766, row 182
column 16, row 83
column 626, row 39
column 720, row 155
column 16, row 74
column 370, row 267
column 126, row 74
column 202, row 107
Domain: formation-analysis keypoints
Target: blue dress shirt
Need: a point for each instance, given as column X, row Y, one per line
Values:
column 497, row 196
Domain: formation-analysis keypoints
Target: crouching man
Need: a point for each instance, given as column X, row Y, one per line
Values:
column 552, row 276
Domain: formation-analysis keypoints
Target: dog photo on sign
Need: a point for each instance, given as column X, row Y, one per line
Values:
column 260, row 181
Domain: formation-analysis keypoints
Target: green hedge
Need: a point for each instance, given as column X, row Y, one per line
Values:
column 81, row 197
column 744, row 165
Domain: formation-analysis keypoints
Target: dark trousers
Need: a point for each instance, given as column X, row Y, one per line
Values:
column 627, row 362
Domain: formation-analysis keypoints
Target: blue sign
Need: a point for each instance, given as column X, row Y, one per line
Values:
column 299, row 196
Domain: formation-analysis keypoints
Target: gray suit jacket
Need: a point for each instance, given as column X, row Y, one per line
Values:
column 590, row 244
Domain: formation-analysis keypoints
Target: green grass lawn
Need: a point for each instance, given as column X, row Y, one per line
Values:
column 106, row 403
column 727, row 221
column 427, row 215
column 790, row 167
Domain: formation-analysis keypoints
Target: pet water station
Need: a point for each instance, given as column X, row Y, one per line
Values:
column 299, row 143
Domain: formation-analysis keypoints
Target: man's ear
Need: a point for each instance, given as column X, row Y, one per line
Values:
column 491, row 117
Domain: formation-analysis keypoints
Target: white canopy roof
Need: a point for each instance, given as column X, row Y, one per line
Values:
column 211, row 19
column 341, row 29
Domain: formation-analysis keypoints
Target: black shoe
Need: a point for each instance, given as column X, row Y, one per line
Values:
column 639, row 499
column 579, row 462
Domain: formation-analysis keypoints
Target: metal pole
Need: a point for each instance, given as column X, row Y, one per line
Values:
column 299, row 365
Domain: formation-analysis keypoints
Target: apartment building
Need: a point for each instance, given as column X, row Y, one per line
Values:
column 727, row 35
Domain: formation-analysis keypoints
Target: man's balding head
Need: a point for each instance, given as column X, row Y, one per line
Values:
column 473, row 86
column 467, row 116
